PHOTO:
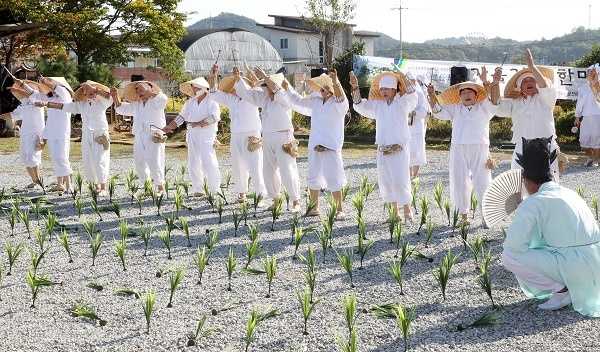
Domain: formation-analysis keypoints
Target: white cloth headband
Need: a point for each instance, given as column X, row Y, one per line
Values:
column 388, row 81
column 522, row 78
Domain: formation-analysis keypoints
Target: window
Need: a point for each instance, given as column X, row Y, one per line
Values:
column 283, row 43
column 130, row 64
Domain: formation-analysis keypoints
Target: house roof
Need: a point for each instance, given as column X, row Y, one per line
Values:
column 367, row 34
column 302, row 18
column 193, row 35
column 285, row 29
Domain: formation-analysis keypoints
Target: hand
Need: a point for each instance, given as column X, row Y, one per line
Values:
column 271, row 85
column 19, row 83
column 214, row 71
column 578, row 122
column 40, row 104
column 353, row 80
column 167, row 129
column 333, row 75
column 203, row 123
column 114, row 93
column 497, row 75
column 285, row 85
column 483, row 74
column 236, row 72
column 529, row 58
column 430, row 89
column 259, row 73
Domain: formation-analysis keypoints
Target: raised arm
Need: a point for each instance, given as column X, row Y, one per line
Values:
column 539, row 78
column 252, row 96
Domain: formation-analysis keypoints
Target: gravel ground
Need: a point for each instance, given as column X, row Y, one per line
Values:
column 50, row 327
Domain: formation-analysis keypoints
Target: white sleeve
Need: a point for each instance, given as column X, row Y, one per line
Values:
column 223, row 98
column 252, row 96
column 73, row 107
column 17, row 114
column 504, row 107
column 159, row 102
column 214, row 110
column 63, row 93
column 125, row 109
column 548, row 95
column 446, row 112
column 365, row 108
column 302, row 105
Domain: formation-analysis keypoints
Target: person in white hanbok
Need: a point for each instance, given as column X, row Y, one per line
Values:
column 146, row 103
column 417, row 125
column 31, row 117
column 587, row 116
column 470, row 109
column 279, row 144
column 391, row 100
column 552, row 245
column 529, row 100
column 91, row 100
column 245, row 142
column 57, row 133
column 327, row 107
column 201, row 115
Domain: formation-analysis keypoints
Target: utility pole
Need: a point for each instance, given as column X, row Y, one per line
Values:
column 590, row 16
column 399, row 9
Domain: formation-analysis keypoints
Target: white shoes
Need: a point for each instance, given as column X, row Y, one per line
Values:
column 557, row 301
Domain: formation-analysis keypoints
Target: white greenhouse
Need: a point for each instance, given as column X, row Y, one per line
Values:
column 229, row 47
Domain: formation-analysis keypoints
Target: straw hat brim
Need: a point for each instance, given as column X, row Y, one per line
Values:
column 323, row 81
column 79, row 93
column 61, row 81
column 375, row 94
column 277, row 78
column 129, row 93
column 186, row 87
column 227, row 84
column 512, row 91
column 36, row 85
column 18, row 93
column 452, row 94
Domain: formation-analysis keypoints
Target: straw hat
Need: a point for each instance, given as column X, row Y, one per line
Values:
column 452, row 94
column 19, row 93
column 511, row 90
column 80, row 94
column 227, row 84
column 130, row 94
column 323, row 81
column 277, row 78
column 399, row 76
column 186, row 87
column 61, row 81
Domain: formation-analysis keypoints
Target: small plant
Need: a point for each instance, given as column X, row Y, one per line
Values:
column 253, row 232
column 428, row 232
column 253, row 249
column 220, row 208
column 139, row 199
column 455, row 219
column 276, row 211
column 464, row 232
column 358, row 201
column 167, row 187
column 484, row 279
column 363, row 247
column 128, row 292
column 244, row 212
column 415, row 184
column 36, row 259
column 310, row 206
column 325, row 241
column 64, row 241
column 397, row 238
column 95, row 243
column 366, row 188
column 51, row 224
column 580, row 191
column 96, row 208
column 346, row 258
column 351, row 345
column 230, row 266
column 12, row 252
column 256, row 199
column 474, row 204
column 307, row 306
column 252, row 324
column 197, row 333
column 345, row 192
column 116, row 208
column 447, row 207
column 112, row 186
column 35, row 283
column 78, row 206
column 175, row 278
column 349, row 304
column 212, row 240
column 40, row 238
column 221, row 195
column 270, row 268
column 477, row 247
column 13, row 219
column 298, row 236
column 201, row 260
column 595, row 206
column 393, row 221
column 146, row 233
column 95, row 286
column 236, row 218
column 120, row 251
column 24, row 216
column 165, row 238
column 424, row 213
column 123, row 229
column 148, row 301
column 185, row 227
column 157, row 200
column 442, row 274
column 78, row 182
column 406, row 252
column 438, row 196
column 82, row 310
column 226, row 180
column 404, row 318
column 488, row 319
column 148, row 188
column 396, row 272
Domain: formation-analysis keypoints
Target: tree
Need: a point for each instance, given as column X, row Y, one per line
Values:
column 330, row 17
column 100, row 31
column 592, row 57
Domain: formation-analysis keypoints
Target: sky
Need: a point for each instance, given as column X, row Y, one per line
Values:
column 430, row 19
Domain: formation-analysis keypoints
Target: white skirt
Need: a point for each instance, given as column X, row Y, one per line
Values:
column 589, row 133
column 418, row 156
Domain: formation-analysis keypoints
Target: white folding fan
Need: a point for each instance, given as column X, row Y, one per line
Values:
column 502, row 197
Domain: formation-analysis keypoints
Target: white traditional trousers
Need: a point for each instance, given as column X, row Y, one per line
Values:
column 245, row 163
column 526, row 272
column 468, row 173
column 393, row 176
column 96, row 160
column 202, row 161
column 30, row 157
column 59, row 153
column 418, row 156
column 278, row 166
column 326, row 170
column 589, row 133
column 149, row 158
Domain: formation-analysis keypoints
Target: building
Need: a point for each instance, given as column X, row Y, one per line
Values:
column 300, row 45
